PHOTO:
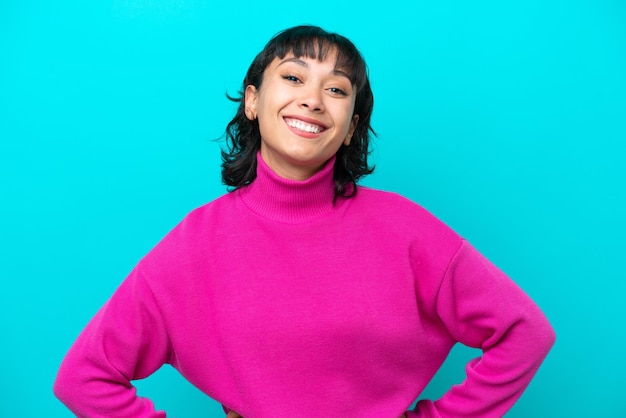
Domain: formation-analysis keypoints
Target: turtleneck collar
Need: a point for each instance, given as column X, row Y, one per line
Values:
column 290, row 201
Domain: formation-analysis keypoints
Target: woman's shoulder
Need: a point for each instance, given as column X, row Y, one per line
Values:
column 395, row 208
column 383, row 195
column 187, row 239
column 391, row 201
column 210, row 209
column 407, row 221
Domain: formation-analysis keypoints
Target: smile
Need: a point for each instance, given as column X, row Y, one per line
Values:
column 304, row 126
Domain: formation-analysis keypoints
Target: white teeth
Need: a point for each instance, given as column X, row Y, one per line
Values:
column 306, row 127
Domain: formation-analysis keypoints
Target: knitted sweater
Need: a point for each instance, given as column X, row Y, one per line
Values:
column 276, row 302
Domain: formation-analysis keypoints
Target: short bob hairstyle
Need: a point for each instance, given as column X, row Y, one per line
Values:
column 243, row 138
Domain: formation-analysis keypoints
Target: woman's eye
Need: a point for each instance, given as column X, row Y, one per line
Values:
column 338, row 91
column 292, row 78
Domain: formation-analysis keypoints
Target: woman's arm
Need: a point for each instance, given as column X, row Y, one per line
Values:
column 482, row 308
column 126, row 340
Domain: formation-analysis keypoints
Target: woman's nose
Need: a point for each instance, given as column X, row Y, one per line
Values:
column 311, row 99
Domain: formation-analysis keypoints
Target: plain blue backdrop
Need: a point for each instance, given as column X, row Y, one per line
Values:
column 505, row 119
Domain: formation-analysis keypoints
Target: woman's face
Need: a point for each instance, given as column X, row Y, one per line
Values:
column 305, row 112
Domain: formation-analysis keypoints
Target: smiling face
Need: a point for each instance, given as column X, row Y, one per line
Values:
column 305, row 112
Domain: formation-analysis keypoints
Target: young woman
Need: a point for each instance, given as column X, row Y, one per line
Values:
column 299, row 294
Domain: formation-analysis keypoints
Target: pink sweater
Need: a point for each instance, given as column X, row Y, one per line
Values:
column 277, row 303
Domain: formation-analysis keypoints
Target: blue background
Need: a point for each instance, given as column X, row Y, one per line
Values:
column 505, row 119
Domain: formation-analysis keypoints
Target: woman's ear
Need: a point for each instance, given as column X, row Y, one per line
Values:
column 250, row 101
column 353, row 123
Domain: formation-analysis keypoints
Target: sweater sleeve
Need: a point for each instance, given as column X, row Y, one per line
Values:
column 125, row 340
column 482, row 308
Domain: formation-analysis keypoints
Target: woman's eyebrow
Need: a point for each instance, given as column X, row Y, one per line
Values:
column 337, row 71
column 295, row 60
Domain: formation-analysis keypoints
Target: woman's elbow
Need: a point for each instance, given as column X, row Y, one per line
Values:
column 67, row 386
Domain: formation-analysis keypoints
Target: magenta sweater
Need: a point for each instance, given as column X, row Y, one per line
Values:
column 277, row 303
